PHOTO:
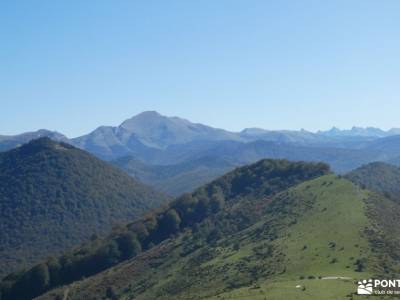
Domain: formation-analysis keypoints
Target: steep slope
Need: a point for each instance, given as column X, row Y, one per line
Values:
column 177, row 178
column 54, row 196
column 312, row 241
column 379, row 177
column 233, row 199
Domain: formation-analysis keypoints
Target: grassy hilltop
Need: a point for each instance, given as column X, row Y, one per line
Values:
column 271, row 230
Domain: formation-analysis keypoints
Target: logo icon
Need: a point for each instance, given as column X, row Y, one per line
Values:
column 365, row 287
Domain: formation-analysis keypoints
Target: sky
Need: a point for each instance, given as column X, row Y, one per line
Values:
column 74, row 65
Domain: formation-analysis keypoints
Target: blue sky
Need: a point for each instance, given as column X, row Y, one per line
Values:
column 72, row 65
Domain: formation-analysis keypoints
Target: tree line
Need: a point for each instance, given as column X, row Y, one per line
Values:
column 185, row 212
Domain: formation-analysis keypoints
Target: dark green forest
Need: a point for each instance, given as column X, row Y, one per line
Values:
column 379, row 177
column 209, row 212
column 54, row 196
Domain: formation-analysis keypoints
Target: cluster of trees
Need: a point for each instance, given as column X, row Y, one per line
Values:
column 89, row 260
column 122, row 244
column 205, row 210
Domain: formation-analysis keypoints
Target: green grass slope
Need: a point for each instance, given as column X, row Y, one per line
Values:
column 328, row 234
column 223, row 207
column 307, row 236
column 324, row 240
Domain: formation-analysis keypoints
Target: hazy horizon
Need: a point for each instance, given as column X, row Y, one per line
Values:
column 256, row 127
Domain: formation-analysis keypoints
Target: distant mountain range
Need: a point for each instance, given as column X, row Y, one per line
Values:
column 149, row 141
column 152, row 130
column 147, row 132
column 360, row 131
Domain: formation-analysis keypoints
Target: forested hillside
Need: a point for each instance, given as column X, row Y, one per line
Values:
column 380, row 177
column 230, row 203
column 54, row 196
